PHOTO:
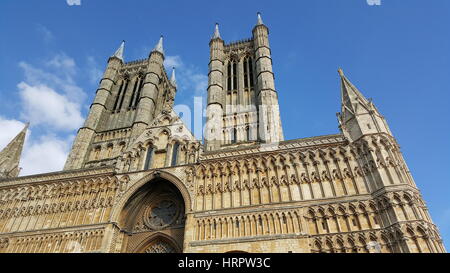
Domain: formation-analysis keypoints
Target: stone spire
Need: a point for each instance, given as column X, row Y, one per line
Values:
column 159, row 46
column 119, row 52
column 216, row 32
column 10, row 155
column 351, row 97
column 173, row 79
column 260, row 21
column 358, row 116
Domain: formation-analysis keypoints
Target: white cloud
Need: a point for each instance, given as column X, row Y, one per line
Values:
column 172, row 61
column 73, row 2
column 50, row 95
column 53, row 148
column 60, row 76
column 43, row 105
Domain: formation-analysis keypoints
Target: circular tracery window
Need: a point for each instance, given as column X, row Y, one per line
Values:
column 161, row 214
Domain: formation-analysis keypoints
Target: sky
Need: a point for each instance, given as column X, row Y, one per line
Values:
column 53, row 53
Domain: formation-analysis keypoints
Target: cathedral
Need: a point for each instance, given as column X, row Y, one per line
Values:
column 138, row 181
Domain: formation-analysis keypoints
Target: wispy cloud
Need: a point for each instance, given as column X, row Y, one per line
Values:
column 173, row 61
column 63, row 63
column 73, row 2
column 189, row 77
column 93, row 70
column 58, row 73
column 45, row 33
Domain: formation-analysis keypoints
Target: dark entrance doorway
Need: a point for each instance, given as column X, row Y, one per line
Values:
column 154, row 219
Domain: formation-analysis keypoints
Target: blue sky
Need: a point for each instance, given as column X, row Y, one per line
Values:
column 398, row 53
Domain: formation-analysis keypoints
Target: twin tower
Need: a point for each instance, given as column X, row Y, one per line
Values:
column 242, row 101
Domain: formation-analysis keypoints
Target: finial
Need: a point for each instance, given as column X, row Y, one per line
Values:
column 260, row 21
column 341, row 73
column 173, row 80
column 119, row 52
column 159, row 46
column 216, row 32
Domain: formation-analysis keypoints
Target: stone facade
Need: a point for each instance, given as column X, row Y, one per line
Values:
column 137, row 180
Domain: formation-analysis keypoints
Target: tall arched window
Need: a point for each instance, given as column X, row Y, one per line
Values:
column 119, row 93
column 234, row 76
column 247, row 130
column 124, row 93
column 232, row 82
column 138, row 95
column 250, row 71
column 245, row 73
column 175, row 148
column 148, row 158
column 234, row 135
column 229, row 75
column 247, row 67
column 135, row 90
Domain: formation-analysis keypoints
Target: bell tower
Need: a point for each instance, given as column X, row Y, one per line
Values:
column 130, row 96
column 242, row 100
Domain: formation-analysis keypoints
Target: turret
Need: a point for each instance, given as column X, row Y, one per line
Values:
column 104, row 90
column 216, row 61
column 214, row 109
column 98, row 108
column 270, row 129
column 358, row 116
column 147, row 102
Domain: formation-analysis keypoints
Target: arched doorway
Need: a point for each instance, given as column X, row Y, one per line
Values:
column 153, row 219
column 159, row 243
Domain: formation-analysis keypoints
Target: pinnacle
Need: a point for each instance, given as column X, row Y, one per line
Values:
column 173, row 79
column 350, row 92
column 119, row 52
column 159, row 46
column 260, row 21
column 216, row 32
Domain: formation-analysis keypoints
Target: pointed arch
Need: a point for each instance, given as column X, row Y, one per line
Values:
column 164, row 241
column 178, row 183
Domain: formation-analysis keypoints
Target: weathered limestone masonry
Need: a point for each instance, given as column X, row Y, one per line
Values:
column 137, row 180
